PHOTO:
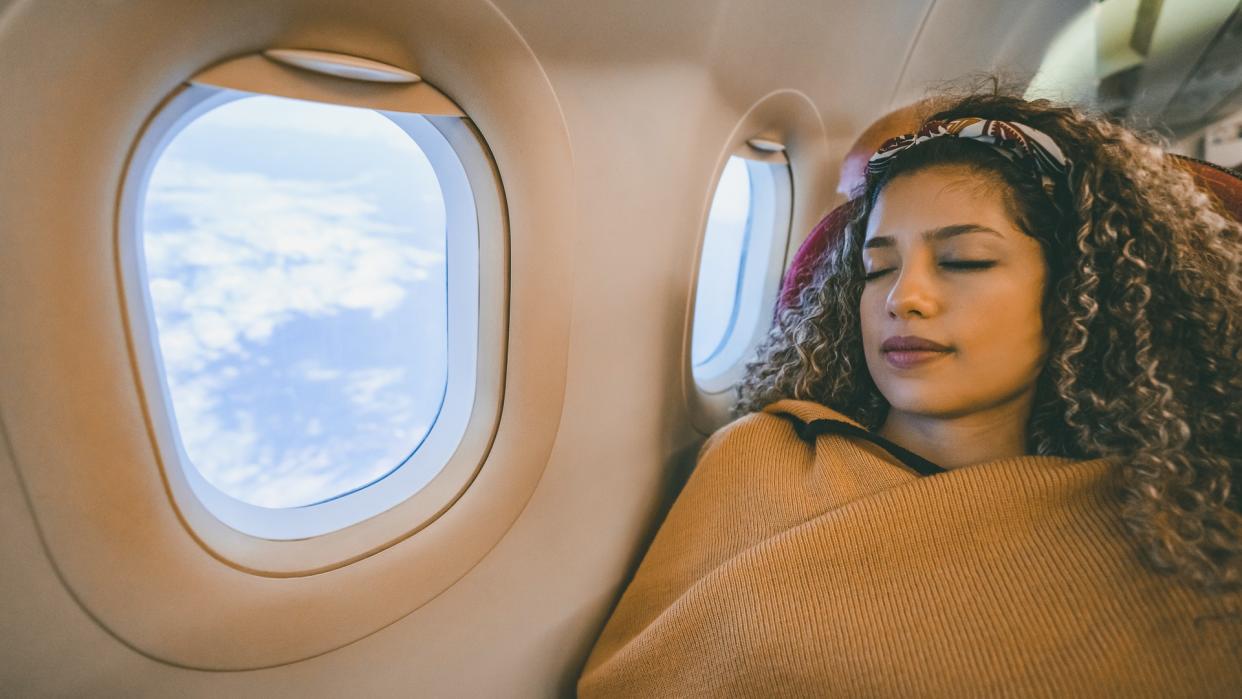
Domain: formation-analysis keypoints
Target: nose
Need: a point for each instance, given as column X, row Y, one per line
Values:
column 913, row 294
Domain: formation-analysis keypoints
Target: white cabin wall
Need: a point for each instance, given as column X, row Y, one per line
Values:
column 649, row 92
column 48, row 646
column 963, row 41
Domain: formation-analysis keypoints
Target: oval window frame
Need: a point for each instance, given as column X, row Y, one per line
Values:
column 788, row 118
column 315, row 538
column 767, row 233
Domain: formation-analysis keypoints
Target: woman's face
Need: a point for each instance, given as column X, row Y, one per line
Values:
column 949, row 270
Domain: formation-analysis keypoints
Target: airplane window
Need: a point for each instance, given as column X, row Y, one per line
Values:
column 295, row 255
column 309, row 276
column 720, row 265
column 740, row 265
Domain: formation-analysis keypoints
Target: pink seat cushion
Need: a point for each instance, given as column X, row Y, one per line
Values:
column 804, row 262
column 1224, row 184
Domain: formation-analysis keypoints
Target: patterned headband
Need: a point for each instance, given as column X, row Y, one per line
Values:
column 1010, row 139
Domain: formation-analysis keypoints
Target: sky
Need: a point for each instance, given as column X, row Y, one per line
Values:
column 295, row 258
column 721, row 260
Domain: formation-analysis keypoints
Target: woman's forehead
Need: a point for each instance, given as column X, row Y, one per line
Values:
column 938, row 198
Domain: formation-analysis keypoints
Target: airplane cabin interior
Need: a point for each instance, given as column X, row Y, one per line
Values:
column 360, row 348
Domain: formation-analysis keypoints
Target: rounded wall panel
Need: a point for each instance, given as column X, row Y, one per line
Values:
column 69, row 397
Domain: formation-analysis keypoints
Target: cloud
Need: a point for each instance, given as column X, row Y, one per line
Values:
column 363, row 387
column 731, row 201
column 325, row 121
column 259, row 251
column 239, row 263
column 316, row 461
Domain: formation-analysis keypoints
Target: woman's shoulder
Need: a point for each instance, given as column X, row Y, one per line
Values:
column 776, row 429
column 781, row 418
column 807, row 412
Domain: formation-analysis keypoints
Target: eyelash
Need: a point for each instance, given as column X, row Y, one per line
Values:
column 964, row 265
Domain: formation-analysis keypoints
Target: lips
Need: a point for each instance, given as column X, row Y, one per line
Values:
column 911, row 343
column 910, row 352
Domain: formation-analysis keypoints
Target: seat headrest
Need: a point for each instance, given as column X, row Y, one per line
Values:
column 806, row 259
column 1223, row 183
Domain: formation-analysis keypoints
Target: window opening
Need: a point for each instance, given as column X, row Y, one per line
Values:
column 295, row 255
column 303, row 265
column 743, row 255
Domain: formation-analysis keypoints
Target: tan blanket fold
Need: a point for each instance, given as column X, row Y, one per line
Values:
column 829, row 569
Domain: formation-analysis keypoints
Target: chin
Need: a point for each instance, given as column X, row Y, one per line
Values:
column 928, row 407
column 941, row 400
column 926, row 400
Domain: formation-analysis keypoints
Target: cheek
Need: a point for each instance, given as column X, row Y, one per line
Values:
column 870, row 306
column 1007, row 325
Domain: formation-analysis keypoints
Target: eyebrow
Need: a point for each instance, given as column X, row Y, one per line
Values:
column 943, row 233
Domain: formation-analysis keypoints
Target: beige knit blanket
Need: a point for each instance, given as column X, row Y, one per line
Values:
column 826, row 568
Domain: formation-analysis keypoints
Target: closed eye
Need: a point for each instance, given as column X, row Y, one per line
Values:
column 951, row 264
column 968, row 264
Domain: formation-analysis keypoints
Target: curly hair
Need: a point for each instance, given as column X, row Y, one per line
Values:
column 1141, row 312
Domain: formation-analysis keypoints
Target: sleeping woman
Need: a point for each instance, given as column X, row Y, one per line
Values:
column 993, row 448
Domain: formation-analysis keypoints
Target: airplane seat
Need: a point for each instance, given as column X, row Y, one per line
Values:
column 1223, row 183
column 802, row 266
